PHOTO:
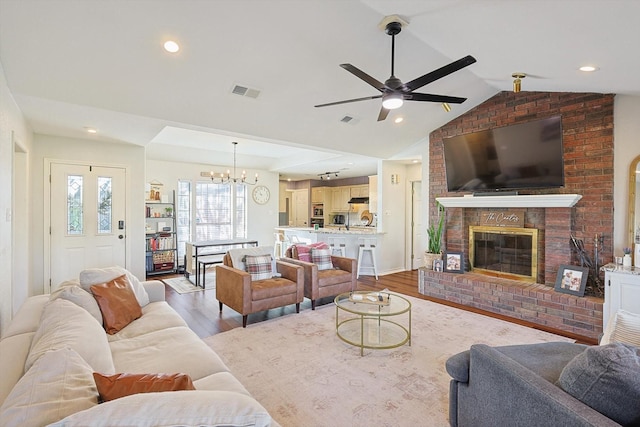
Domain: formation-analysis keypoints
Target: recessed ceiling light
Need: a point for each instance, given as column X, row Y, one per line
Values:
column 416, row 161
column 171, row 46
column 398, row 119
column 91, row 130
column 588, row 68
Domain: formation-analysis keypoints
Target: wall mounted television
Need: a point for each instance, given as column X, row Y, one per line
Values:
column 521, row 156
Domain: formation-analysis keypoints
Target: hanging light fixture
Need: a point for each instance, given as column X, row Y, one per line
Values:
column 227, row 178
column 446, row 107
column 327, row 175
column 518, row 81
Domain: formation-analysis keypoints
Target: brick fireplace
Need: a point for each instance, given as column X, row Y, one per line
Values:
column 587, row 122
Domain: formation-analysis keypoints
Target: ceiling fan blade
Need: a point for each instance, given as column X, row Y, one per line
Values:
column 363, row 76
column 349, row 100
column 440, row 73
column 383, row 114
column 433, row 98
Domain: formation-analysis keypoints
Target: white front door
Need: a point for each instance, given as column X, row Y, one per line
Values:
column 87, row 219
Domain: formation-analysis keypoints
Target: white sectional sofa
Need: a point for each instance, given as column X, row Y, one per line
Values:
column 54, row 344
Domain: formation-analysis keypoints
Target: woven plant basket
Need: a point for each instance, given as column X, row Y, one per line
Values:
column 429, row 258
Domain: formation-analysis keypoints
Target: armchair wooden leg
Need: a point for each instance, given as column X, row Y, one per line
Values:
column 220, row 305
column 244, row 320
column 297, row 307
column 313, row 304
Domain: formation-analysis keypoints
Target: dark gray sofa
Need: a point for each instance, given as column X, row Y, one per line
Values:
column 515, row 386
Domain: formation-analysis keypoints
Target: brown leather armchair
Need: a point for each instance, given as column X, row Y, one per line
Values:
column 235, row 288
column 325, row 283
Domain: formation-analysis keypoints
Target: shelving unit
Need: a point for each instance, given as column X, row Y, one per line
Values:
column 161, row 242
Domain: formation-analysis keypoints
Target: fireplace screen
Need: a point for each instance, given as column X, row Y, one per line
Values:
column 504, row 252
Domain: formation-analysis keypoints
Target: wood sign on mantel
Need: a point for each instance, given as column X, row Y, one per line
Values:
column 509, row 218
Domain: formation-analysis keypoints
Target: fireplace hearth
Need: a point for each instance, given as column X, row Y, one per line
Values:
column 506, row 252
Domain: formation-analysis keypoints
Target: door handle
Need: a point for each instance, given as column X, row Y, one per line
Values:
column 120, row 237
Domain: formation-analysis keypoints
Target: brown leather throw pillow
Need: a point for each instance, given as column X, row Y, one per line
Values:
column 117, row 303
column 112, row 387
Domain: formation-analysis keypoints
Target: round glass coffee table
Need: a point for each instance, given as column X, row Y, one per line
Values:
column 373, row 320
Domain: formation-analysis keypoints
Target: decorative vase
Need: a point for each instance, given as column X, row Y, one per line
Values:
column 626, row 260
column 429, row 258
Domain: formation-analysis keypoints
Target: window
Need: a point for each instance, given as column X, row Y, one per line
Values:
column 104, row 205
column 220, row 211
column 183, row 216
column 75, row 224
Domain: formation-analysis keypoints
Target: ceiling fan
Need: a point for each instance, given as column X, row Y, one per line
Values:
column 393, row 92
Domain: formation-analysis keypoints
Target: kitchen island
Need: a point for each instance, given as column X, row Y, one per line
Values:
column 351, row 238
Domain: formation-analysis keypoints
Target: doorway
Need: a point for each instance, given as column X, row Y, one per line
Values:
column 416, row 229
column 86, row 219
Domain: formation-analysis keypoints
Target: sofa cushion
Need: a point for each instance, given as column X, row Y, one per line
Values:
column 27, row 319
column 64, row 324
column 58, row 384
column 185, row 408
column 332, row 277
column 606, row 378
column 271, row 288
column 111, row 387
column 322, row 258
column 71, row 291
column 221, row 381
column 96, row 276
column 623, row 327
column 169, row 350
column 155, row 317
column 117, row 302
column 13, row 354
column 237, row 255
column 260, row 267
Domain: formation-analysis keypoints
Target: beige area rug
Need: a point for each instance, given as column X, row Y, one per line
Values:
column 182, row 285
column 304, row 375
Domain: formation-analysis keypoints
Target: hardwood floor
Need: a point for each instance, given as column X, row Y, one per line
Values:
column 200, row 309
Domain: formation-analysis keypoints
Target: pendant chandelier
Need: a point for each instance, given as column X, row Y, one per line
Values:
column 228, row 178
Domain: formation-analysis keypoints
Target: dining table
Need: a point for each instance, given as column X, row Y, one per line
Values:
column 210, row 249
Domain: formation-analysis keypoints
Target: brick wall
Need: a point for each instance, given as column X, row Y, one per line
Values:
column 587, row 124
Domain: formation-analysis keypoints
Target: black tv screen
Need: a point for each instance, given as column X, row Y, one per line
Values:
column 527, row 155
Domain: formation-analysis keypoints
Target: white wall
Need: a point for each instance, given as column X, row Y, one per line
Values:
column 131, row 157
column 626, row 142
column 262, row 219
column 13, row 128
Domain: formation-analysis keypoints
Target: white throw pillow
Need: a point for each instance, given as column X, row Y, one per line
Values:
column 71, row 291
column 64, row 324
column 237, row 255
column 174, row 408
column 97, row 276
column 59, row 384
column 624, row 327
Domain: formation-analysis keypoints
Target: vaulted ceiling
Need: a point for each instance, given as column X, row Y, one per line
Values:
column 73, row 65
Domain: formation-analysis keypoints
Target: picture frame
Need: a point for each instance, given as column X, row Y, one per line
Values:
column 453, row 262
column 438, row 265
column 572, row 279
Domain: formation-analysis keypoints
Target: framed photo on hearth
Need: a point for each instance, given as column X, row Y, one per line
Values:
column 437, row 264
column 572, row 280
column 453, row 262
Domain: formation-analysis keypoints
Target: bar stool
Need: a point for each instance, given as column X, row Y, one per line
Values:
column 367, row 245
column 280, row 245
column 339, row 245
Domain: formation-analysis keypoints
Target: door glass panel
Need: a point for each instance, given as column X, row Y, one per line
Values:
column 74, row 205
column 104, row 205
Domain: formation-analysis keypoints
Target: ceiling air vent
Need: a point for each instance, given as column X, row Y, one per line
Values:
column 245, row 91
column 346, row 119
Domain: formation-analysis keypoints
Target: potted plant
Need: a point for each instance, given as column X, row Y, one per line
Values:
column 434, row 245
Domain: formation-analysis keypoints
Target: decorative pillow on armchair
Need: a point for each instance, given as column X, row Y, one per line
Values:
column 303, row 252
column 322, row 257
column 260, row 267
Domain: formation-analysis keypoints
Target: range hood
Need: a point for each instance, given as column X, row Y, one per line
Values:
column 358, row 200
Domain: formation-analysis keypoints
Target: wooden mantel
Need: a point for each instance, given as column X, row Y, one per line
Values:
column 524, row 201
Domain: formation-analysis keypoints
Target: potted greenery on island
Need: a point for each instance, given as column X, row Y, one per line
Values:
column 434, row 234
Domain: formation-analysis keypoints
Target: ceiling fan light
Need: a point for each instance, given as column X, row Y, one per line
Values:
column 392, row 102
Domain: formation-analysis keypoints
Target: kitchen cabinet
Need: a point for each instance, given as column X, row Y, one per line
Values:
column 621, row 290
column 318, row 194
column 373, row 194
column 340, row 199
column 359, row 191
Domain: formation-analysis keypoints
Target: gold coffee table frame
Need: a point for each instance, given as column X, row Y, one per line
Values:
column 373, row 324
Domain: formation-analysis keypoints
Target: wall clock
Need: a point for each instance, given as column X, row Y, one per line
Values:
column 261, row 194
